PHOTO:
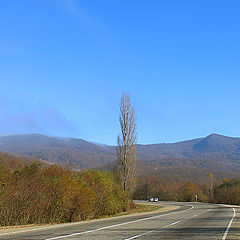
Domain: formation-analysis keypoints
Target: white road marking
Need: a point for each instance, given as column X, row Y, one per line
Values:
column 116, row 225
column 171, row 224
column 229, row 225
column 140, row 235
column 197, row 215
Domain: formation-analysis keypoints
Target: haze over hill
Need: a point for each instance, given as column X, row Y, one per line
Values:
column 215, row 152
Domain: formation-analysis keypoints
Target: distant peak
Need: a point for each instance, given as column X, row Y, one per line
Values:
column 215, row 135
column 34, row 134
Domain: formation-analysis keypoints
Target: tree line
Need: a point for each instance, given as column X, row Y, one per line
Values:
column 213, row 190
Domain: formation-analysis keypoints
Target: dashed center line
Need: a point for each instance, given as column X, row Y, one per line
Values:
column 196, row 215
column 140, row 235
column 120, row 224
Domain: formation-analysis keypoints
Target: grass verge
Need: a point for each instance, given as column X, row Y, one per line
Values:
column 140, row 208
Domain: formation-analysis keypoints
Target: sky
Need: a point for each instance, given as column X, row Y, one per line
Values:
column 64, row 65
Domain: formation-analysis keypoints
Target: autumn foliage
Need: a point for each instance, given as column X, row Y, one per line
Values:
column 54, row 194
column 228, row 192
column 213, row 190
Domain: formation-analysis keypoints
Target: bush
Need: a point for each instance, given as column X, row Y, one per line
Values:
column 54, row 194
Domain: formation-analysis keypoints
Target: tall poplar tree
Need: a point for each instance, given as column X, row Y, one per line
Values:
column 126, row 150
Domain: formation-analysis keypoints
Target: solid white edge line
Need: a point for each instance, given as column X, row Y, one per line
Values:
column 229, row 225
column 140, row 235
column 116, row 225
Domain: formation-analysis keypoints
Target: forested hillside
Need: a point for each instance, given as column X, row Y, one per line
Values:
column 214, row 153
column 72, row 152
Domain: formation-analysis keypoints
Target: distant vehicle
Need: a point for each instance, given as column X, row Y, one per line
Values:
column 152, row 199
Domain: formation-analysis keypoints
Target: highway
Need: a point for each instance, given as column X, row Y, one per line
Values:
column 186, row 221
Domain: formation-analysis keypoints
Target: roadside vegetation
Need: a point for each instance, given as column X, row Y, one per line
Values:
column 228, row 192
column 35, row 193
column 213, row 190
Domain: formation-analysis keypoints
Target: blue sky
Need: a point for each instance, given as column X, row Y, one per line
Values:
column 65, row 64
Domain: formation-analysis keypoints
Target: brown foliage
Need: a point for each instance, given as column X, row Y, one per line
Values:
column 228, row 192
column 53, row 194
column 169, row 190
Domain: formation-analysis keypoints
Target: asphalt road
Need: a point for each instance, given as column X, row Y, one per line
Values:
column 188, row 221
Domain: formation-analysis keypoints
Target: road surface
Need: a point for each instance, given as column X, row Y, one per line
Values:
column 187, row 221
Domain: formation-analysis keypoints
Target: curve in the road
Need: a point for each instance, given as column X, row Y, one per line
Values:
column 115, row 225
column 192, row 221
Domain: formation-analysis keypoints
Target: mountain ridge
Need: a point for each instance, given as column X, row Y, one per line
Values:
column 212, row 152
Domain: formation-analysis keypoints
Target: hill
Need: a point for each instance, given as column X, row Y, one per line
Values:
column 216, row 153
column 16, row 162
column 73, row 152
column 213, row 147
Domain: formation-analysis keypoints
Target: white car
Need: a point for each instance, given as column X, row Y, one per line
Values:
column 152, row 199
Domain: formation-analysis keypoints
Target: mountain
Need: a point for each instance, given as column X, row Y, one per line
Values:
column 216, row 153
column 73, row 152
column 15, row 162
column 214, row 147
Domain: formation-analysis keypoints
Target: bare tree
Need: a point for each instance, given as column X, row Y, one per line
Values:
column 126, row 151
